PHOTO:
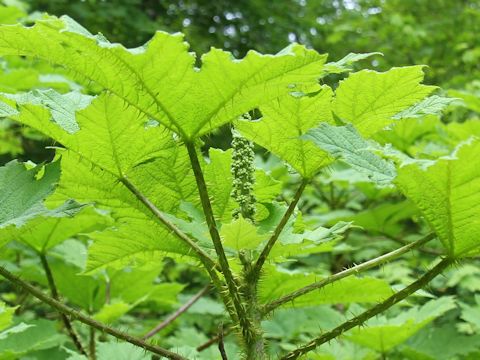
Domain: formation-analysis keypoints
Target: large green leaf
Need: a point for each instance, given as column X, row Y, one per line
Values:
column 369, row 99
column 137, row 235
column 241, row 234
column 160, row 78
column 447, row 193
column 283, row 123
column 115, row 141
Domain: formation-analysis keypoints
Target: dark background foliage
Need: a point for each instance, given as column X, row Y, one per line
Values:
column 442, row 34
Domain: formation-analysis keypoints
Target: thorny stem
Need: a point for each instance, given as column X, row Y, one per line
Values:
column 278, row 230
column 66, row 321
column 77, row 315
column 209, row 264
column 176, row 314
column 381, row 307
column 255, row 346
column 206, row 259
column 347, row 272
column 217, row 242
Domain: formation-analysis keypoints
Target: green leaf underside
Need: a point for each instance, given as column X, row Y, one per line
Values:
column 349, row 290
column 432, row 105
column 283, row 123
column 369, row 99
column 22, row 198
column 62, row 106
column 160, row 78
column 345, row 142
column 22, row 195
column 447, row 193
column 345, row 64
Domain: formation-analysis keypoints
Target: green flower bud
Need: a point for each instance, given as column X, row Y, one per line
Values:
column 243, row 171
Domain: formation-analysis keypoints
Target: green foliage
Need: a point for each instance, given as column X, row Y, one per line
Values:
column 369, row 99
column 211, row 103
column 243, row 173
column 345, row 143
column 446, row 193
column 283, row 123
column 137, row 207
column 383, row 335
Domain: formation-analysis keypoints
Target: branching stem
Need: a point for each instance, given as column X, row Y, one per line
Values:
column 278, row 230
column 425, row 250
column 347, row 272
column 209, row 264
column 214, row 339
column 77, row 315
column 217, row 242
column 363, row 317
column 176, row 314
column 66, row 321
column 179, row 233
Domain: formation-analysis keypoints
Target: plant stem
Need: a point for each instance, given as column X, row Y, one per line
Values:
column 206, row 259
column 213, row 340
column 255, row 346
column 429, row 251
column 66, row 321
column 77, row 315
column 176, row 314
column 92, row 344
column 209, row 264
column 217, row 242
column 381, row 307
column 278, row 230
column 221, row 345
column 347, row 272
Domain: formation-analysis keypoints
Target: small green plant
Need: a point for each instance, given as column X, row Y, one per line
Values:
column 131, row 174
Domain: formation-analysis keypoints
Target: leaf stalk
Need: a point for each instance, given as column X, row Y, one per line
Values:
column 233, row 290
column 368, row 314
column 278, row 230
column 176, row 314
column 66, row 321
column 347, row 272
column 77, row 315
